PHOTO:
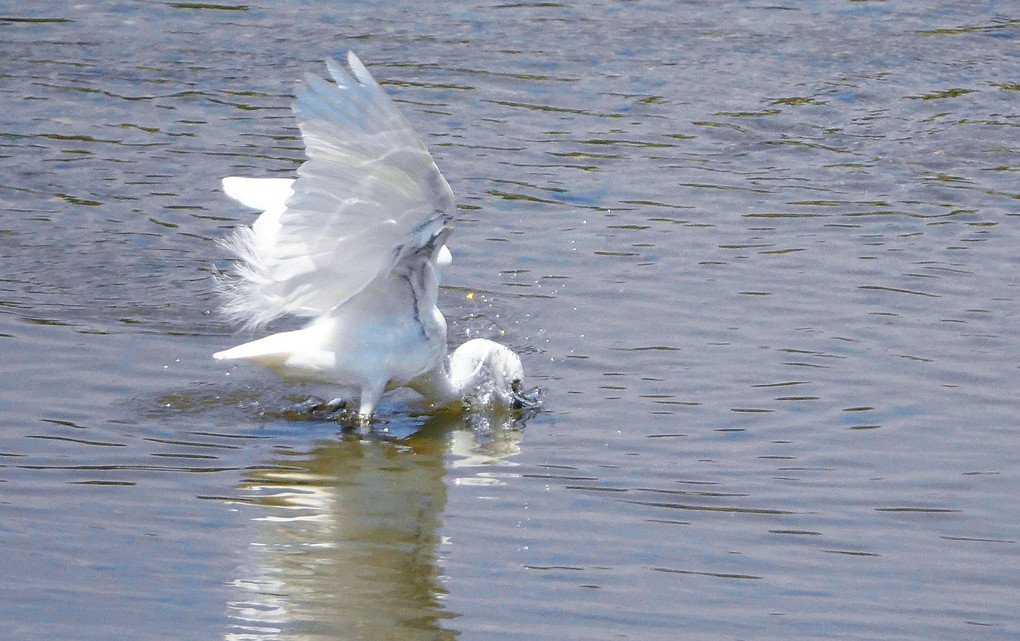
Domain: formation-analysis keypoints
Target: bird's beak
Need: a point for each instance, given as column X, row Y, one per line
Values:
column 525, row 400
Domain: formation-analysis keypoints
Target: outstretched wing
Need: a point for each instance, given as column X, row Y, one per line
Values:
column 368, row 197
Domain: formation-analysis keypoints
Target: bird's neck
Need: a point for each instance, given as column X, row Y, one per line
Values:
column 436, row 385
column 479, row 368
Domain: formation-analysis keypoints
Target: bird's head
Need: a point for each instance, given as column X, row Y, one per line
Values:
column 485, row 372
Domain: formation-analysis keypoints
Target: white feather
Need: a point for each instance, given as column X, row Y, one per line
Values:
column 355, row 244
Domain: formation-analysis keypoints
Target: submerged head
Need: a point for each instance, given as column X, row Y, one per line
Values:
column 485, row 372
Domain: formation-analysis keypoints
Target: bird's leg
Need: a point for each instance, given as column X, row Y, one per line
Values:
column 370, row 394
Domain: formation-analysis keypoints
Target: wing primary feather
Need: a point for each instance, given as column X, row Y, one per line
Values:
column 368, row 198
column 339, row 74
column 361, row 71
column 319, row 100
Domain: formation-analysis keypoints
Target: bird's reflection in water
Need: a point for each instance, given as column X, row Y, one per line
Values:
column 348, row 534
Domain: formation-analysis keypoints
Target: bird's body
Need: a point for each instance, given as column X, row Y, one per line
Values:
column 355, row 244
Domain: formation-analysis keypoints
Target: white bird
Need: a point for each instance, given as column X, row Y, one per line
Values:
column 355, row 244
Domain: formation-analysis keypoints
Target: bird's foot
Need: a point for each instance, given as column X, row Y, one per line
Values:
column 333, row 406
column 316, row 408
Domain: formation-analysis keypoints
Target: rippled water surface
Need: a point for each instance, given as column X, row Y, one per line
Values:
column 761, row 256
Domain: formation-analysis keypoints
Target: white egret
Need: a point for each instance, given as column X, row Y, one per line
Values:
column 355, row 244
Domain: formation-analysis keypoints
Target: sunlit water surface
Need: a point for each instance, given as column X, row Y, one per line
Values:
column 761, row 257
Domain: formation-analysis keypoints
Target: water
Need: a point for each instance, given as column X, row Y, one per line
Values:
column 760, row 256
